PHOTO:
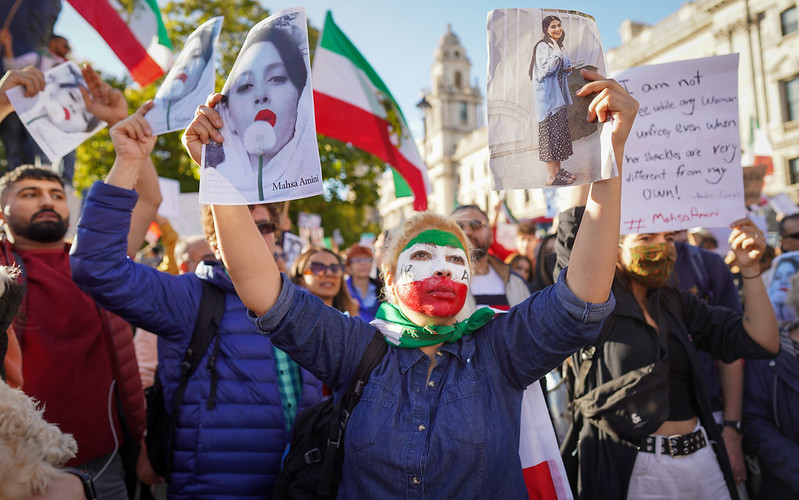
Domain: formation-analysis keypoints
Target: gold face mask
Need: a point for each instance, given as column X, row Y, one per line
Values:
column 651, row 264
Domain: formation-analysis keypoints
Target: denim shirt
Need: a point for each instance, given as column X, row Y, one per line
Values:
column 456, row 434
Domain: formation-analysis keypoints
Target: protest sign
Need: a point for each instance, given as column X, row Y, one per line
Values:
column 292, row 246
column 188, row 83
column 682, row 162
column 783, row 205
column 270, row 152
column 310, row 221
column 57, row 117
column 170, row 198
column 753, row 183
column 538, row 134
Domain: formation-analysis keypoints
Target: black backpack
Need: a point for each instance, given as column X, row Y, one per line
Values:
column 312, row 464
column 160, row 438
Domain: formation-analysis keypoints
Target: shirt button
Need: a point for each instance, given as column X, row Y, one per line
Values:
column 416, row 481
column 439, row 353
column 421, row 427
column 432, row 383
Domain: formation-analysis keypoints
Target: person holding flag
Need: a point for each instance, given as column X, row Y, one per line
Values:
column 440, row 414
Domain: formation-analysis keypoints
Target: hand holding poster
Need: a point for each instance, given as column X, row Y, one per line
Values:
column 188, row 83
column 682, row 163
column 57, row 117
column 269, row 151
column 538, row 135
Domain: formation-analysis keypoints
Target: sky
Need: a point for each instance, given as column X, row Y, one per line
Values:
column 398, row 37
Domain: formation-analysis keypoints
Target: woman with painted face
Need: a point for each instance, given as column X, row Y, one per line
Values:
column 549, row 68
column 642, row 422
column 440, row 415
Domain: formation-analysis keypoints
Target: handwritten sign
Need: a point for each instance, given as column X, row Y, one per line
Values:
column 682, row 162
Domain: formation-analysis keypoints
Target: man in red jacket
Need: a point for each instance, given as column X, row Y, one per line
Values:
column 77, row 359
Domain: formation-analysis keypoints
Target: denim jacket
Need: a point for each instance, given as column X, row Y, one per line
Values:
column 456, row 434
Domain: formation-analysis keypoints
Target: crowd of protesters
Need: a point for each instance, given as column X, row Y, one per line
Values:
column 647, row 331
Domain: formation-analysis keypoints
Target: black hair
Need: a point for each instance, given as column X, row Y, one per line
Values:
column 781, row 223
column 289, row 52
column 546, row 39
column 470, row 207
column 27, row 172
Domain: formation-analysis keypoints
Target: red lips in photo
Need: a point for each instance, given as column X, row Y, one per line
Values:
column 266, row 115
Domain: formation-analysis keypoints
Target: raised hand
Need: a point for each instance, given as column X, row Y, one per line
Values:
column 102, row 100
column 203, row 129
column 132, row 137
column 30, row 78
column 611, row 101
column 748, row 243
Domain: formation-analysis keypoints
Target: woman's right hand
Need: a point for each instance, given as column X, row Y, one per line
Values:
column 203, row 129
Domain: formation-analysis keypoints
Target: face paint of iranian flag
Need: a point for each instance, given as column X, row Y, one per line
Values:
column 432, row 279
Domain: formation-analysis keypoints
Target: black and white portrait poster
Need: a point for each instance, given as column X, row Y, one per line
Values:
column 538, row 135
column 189, row 82
column 57, row 117
column 269, row 152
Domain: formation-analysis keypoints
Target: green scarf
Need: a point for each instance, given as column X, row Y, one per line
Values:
column 410, row 335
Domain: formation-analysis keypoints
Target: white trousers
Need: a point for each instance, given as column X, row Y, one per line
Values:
column 697, row 476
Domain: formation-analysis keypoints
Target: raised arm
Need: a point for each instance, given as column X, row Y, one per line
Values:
column 748, row 243
column 248, row 260
column 593, row 259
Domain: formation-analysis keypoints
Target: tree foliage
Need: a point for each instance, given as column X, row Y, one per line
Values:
column 350, row 174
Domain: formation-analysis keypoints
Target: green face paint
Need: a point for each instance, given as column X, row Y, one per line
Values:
column 436, row 237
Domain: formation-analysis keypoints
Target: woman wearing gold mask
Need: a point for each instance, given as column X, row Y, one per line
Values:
column 642, row 425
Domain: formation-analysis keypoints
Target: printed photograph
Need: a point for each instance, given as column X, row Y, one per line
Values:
column 189, row 82
column 269, row 151
column 57, row 117
column 537, row 133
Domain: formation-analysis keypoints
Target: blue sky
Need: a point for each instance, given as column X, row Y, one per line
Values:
column 398, row 37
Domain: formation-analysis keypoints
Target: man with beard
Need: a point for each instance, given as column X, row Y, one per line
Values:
column 493, row 284
column 77, row 359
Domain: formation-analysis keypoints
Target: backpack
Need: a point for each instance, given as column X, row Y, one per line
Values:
column 160, row 437
column 312, row 463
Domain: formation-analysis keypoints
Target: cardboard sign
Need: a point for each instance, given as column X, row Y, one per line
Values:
column 170, row 198
column 753, row 183
column 682, row 161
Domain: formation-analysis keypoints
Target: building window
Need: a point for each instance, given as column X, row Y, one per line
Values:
column 789, row 19
column 793, row 170
column 464, row 113
column 791, row 92
column 458, row 79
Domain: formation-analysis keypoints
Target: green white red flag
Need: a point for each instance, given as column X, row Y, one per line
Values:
column 354, row 105
column 136, row 35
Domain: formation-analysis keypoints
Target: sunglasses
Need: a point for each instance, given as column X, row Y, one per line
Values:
column 793, row 236
column 474, row 225
column 266, row 227
column 279, row 255
column 320, row 269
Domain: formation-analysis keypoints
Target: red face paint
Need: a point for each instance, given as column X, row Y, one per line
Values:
column 437, row 296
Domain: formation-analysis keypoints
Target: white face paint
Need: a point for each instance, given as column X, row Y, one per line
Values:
column 424, row 260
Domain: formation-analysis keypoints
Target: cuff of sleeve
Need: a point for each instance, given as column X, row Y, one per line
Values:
column 272, row 318
column 586, row 312
column 113, row 196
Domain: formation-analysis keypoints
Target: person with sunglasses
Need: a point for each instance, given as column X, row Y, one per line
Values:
column 234, row 422
column 493, row 284
column 321, row 272
column 440, row 416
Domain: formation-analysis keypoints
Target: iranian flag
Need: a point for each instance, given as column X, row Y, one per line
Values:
column 542, row 466
column 354, row 105
column 136, row 35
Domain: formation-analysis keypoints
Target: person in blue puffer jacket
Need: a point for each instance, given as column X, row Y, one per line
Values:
column 232, row 451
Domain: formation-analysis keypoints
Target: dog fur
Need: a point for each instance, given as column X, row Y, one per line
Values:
column 31, row 449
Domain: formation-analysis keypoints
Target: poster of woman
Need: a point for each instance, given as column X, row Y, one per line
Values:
column 537, row 132
column 57, row 117
column 785, row 267
column 269, row 152
column 189, row 82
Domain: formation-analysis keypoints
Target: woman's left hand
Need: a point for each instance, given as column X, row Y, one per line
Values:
column 747, row 242
column 611, row 101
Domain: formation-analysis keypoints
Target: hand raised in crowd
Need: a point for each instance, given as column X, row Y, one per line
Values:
column 612, row 101
column 748, row 243
column 5, row 37
column 203, row 129
column 30, row 78
column 132, row 137
column 102, row 100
